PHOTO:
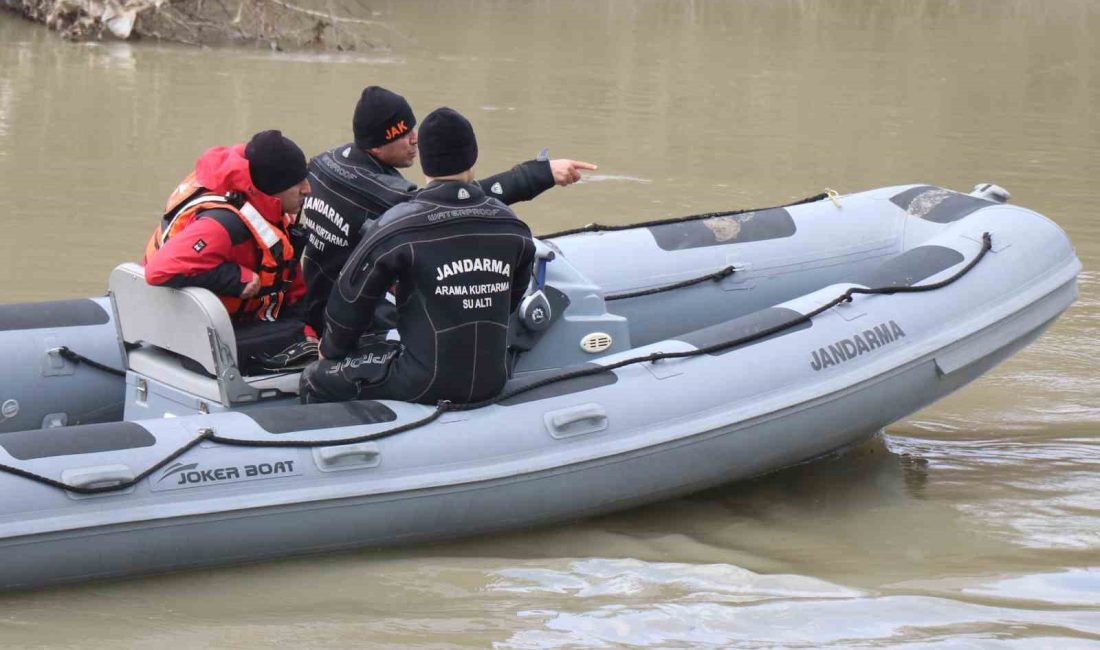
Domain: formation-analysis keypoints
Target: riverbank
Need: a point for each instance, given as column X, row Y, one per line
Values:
column 275, row 24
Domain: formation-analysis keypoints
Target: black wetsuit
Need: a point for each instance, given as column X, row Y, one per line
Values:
column 351, row 188
column 462, row 262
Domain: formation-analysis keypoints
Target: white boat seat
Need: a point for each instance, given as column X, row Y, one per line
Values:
column 166, row 324
column 171, row 369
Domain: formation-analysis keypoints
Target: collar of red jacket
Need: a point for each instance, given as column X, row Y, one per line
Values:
column 225, row 169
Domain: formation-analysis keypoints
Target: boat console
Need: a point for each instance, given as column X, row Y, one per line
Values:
column 581, row 328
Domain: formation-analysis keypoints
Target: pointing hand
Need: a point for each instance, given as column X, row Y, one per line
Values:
column 567, row 172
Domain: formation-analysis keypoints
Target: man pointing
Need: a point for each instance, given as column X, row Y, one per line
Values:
column 356, row 182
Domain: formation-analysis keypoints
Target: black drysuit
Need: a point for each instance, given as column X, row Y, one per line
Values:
column 351, row 188
column 462, row 262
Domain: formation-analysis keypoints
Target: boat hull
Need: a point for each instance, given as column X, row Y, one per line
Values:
column 294, row 479
column 40, row 388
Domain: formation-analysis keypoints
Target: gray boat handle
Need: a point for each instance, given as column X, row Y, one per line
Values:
column 364, row 450
column 576, row 420
column 87, row 477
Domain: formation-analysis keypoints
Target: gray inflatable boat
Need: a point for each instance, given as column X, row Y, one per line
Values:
column 663, row 358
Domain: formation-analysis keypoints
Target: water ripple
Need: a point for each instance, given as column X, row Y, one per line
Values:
column 864, row 622
column 633, row 578
column 1073, row 587
column 1038, row 492
column 6, row 94
column 612, row 603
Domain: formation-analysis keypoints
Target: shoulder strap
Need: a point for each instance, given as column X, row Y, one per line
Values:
column 185, row 192
column 231, row 221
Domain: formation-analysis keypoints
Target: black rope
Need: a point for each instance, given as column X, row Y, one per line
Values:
column 105, row 488
column 732, row 343
column 209, row 435
column 75, row 357
column 444, row 407
column 596, row 227
column 716, row 276
column 440, row 409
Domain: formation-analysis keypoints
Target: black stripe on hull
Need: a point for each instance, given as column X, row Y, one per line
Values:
column 773, row 223
column 937, row 204
column 49, row 315
column 69, row 441
column 310, row 417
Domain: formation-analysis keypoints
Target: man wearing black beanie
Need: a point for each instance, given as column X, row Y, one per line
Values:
column 226, row 228
column 356, row 182
column 461, row 260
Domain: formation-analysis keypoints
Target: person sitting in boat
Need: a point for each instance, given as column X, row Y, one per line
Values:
column 227, row 228
column 356, row 182
column 461, row 261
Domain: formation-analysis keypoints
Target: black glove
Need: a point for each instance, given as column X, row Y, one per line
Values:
column 294, row 356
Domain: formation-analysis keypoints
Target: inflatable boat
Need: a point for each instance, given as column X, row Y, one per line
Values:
column 652, row 361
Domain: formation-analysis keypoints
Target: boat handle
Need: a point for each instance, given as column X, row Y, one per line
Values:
column 102, row 476
column 364, row 450
column 577, row 420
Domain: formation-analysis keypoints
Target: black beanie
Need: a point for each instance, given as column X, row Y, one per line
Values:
column 381, row 116
column 274, row 162
column 447, row 143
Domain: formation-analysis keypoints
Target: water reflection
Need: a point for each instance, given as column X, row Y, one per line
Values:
column 115, row 57
column 1031, row 490
column 628, row 578
column 1073, row 587
column 5, row 108
column 900, row 621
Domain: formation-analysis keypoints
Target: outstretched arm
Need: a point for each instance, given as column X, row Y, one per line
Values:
column 528, row 179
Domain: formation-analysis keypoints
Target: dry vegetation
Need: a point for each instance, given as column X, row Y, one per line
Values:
column 278, row 24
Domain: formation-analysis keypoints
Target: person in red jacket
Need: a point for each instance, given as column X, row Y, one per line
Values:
column 227, row 228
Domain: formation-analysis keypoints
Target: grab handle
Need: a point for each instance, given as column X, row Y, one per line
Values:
column 363, row 454
column 99, row 476
column 576, row 420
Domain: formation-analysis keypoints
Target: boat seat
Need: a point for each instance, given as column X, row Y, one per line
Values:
column 164, row 326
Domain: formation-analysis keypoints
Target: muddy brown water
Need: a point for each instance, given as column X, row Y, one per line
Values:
column 973, row 523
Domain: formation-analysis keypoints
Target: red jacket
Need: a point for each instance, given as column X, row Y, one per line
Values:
column 217, row 251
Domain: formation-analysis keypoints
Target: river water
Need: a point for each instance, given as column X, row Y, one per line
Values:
column 974, row 523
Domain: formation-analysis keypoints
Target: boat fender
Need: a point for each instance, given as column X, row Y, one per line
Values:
column 991, row 192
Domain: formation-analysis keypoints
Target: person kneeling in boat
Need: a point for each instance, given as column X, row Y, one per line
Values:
column 227, row 228
column 461, row 261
